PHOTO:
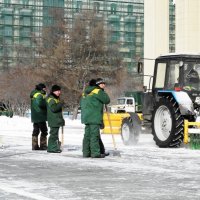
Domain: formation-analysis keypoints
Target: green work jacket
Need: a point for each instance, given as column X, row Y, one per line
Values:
column 92, row 103
column 54, row 112
column 38, row 106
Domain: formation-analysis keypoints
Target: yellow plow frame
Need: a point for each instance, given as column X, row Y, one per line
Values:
column 115, row 122
column 187, row 130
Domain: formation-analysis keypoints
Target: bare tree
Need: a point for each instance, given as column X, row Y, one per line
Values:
column 16, row 85
column 25, row 56
column 68, row 55
column 71, row 54
column 5, row 56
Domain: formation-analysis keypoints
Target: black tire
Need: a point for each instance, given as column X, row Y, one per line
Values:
column 167, row 123
column 131, row 129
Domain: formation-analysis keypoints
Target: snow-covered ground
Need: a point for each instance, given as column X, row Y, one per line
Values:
column 143, row 171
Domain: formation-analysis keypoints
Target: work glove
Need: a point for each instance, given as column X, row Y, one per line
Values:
column 10, row 114
column 62, row 103
column 102, row 126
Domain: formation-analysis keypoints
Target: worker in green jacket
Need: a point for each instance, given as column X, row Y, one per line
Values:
column 39, row 117
column 92, row 105
column 55, row 119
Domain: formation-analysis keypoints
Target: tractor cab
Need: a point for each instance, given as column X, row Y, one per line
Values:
column 173, row 73
column 177, row 72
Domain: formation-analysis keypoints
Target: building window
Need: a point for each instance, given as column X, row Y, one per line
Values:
column 113, row 8
column 7, row 41
column 48, row 21
column 8, row 31
column 129, row 37
column 79, row 6
column 25, row 32
column 7, row 3
column 161, row 72
column 25, row 3
column 130, row 9
column 96, row 7
column 25, row 41
column 26, row 21
column 49, row 3
column 8, row 19
column 130, row 26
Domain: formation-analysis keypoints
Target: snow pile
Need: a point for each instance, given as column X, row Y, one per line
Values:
column 24, row 123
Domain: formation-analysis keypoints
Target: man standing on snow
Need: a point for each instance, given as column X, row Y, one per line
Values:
column 55, row 119
column 92, row 103
column 39, row 117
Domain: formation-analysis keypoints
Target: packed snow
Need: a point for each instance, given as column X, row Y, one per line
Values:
column 143, row 171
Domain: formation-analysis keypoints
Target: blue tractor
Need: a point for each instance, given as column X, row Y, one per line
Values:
column 174, row 97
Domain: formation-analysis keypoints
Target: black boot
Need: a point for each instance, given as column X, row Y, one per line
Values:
column 106, row 153
column 58, row 150
column 43, row 143
column 35, row 143
column 59, row 145
column 99, row 156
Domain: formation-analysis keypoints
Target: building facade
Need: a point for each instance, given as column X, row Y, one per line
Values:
column 125, row 20
column 187, row 26
column 20, row 20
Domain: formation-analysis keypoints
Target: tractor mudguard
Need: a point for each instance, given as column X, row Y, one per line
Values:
column 182, row 98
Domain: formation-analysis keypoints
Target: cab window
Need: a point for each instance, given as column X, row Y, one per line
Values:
column 173, row 78
column 129, row 101
column 160, row 76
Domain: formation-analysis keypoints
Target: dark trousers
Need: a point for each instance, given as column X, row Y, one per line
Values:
column 53, row 142
column 92, row 143
column 40, row 127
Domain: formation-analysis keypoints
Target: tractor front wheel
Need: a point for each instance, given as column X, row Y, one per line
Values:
column 167, row 123
column 131, row 129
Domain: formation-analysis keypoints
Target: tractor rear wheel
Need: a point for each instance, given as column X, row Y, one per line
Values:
column 131, row 129
column 167, row 123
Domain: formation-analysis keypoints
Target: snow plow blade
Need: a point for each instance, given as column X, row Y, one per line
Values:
column 115, row 122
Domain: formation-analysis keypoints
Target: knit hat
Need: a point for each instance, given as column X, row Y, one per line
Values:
column 40, row 86
column 99, row 81
column 92, row 82
column 55, row 88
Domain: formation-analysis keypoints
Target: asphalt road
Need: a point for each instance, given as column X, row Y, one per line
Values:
column 142, row 172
